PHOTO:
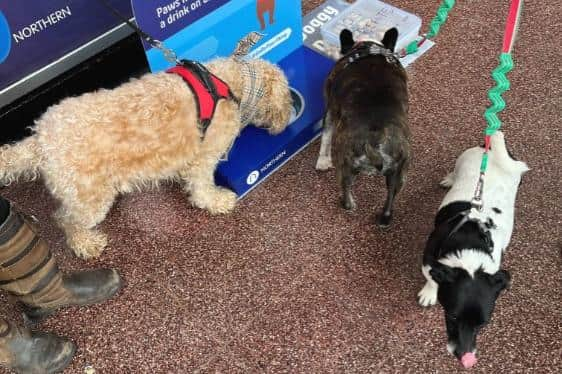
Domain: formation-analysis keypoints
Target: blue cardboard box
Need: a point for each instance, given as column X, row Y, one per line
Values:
column 256, row 154
column 204, row 29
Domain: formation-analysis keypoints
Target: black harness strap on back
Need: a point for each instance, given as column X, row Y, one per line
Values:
column 204, row 76
column 482, row 228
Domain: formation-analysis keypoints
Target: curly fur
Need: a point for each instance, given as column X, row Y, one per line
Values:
column 90, row 148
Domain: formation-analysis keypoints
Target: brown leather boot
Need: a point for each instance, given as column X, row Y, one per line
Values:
column 29, row 352
column 29, row 271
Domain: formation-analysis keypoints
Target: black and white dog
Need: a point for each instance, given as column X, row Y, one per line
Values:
column 463, row 253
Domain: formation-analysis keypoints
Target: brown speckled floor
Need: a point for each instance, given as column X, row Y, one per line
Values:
column 291, row 283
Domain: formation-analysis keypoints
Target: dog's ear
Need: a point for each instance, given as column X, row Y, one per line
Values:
column 500, row 280
column 390, row 38
column 442, row 273
column 346, row 41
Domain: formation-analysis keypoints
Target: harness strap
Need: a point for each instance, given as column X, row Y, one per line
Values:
column 207, row 90
column 464, row 219
column 484, row 231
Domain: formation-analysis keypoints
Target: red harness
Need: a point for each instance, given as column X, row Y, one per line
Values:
column 207, row 90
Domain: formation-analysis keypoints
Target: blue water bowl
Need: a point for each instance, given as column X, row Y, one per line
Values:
column 298, row 105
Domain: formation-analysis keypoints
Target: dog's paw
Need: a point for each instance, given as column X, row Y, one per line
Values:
column 324, row 163
column 87, row 244
column 451, row 346
column 428, row 295
column 383, row 221
column 348, row 203
column 448, row 181
column 216, row 201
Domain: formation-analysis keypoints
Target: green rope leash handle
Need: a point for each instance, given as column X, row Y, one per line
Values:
column 434, row 27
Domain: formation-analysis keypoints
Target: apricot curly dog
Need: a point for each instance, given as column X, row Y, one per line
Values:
column 90, row 148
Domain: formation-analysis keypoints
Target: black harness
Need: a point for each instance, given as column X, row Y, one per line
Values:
column 483, row 228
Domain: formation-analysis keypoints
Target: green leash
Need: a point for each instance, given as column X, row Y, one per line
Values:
column 434, row 27
column 499, row 76
column 496, row 92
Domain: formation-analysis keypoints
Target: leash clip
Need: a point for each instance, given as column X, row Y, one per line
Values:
column 477, row 201
column 169, row 54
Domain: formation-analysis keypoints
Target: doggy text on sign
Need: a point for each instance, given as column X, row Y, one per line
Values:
column 313, row 22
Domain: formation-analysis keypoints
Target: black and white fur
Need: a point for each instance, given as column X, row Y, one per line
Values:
column 463, row 270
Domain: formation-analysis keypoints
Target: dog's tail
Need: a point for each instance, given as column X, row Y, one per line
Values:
column 501, row 155
column 375, row 157
column 20, row 160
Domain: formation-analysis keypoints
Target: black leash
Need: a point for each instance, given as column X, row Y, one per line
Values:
column 143, row 35
column 168, row 53
column 196, row 68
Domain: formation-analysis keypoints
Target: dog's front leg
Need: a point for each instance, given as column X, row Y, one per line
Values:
column 199, row 180
column 204, row 194
column 428, row 294
column 325, row 157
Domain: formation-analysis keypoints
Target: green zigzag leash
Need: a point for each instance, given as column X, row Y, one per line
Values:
column 434, row 27
column 495, row 93
column 499, row 75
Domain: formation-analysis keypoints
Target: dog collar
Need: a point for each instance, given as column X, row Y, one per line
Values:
column 367, row 49
column 252, row 92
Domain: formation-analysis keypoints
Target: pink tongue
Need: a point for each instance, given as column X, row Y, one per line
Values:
column 468, row 360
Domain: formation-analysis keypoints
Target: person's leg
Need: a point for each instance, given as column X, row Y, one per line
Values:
column 4, row 209
column 29, row 271
column 24, row 351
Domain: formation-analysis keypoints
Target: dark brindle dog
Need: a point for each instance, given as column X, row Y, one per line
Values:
column 367, row 115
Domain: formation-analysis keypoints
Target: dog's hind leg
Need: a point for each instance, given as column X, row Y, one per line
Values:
column 394, row 183
column 448, row 181
column 79, row 216
column 346, row 176
column 324, row 161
